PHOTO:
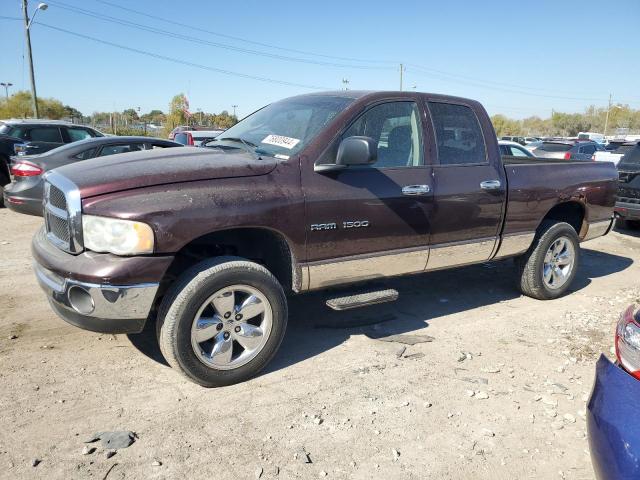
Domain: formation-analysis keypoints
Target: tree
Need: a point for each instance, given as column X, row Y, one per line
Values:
column 19, row 105
column 154, row 116
column 130, row 115
column 177, row 115
column 505, row 126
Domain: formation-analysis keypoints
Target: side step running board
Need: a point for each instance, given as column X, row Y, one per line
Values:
column 362, row 299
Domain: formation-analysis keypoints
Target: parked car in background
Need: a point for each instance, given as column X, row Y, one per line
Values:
column 594, row 137
column 24, row 195
column 614, row 155
column 520, row 140
column 196, row 137
column 627, row 207
column 513, row 149
column 567, row 149
column 308, row 193
column 613, row 417
column 178, row 129
column 35, row 136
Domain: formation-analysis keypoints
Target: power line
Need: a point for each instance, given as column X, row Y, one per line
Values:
column 239, row 39
column 183, row 62
column 442, row 76
column 201, row 41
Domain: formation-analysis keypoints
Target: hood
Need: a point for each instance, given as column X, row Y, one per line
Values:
column 160, row 167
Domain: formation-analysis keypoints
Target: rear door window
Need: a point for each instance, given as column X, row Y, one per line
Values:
column 45, row 134
column 459, row 137
column 76, row 134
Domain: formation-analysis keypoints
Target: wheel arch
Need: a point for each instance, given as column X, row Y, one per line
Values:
column 262, row 245
column 572, row 212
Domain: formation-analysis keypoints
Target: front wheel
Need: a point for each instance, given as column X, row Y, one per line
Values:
column 550, row 264
column 222, row 321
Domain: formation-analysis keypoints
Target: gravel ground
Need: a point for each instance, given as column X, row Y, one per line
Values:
column 495, row 387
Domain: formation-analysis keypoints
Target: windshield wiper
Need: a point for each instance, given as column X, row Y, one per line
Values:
column 249, row 146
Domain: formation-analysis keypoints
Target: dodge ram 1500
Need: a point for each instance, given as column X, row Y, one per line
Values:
column 307, row 193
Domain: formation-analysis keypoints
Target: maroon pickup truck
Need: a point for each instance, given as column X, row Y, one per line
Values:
column 309, row 192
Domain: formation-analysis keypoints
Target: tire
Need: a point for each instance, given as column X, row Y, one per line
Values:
column 189, row 304
column 623, row 224
column 3, row 182
column 531, row 265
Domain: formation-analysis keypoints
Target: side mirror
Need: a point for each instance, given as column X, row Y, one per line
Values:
column 352, row 151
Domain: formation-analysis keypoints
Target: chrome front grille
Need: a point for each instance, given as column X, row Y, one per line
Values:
column 62, row 213
column 57, row 198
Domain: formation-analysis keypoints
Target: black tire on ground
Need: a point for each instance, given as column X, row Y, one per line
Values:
column 3, row 182
column 531, row 264
column 624, row 224
column 190, row 291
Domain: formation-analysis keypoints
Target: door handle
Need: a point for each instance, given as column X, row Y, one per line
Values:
column 490, row 185
column 416, row 190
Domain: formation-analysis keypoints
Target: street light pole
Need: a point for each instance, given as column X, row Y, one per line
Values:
column 27, row 29
column 6, row 88
column 234, row 109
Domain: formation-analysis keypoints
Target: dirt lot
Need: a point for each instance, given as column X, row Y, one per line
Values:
column 511, row 406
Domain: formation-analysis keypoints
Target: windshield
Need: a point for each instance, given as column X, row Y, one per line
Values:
column 284, row 128
column 5, row 129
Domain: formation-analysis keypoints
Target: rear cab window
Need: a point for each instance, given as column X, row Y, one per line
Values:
column 459, row 138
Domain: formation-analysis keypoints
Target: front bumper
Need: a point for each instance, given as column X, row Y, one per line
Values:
column 98, row 292
column 628, row 211
column 613, row 423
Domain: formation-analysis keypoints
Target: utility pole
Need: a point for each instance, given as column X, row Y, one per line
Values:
column 234, row 110
column 606, row 119
column 401, row 70
column 6, row 88
column 27, row 29
column 345, row 82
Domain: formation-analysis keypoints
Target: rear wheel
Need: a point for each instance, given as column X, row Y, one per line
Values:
column 550, row 264
column 222, row 321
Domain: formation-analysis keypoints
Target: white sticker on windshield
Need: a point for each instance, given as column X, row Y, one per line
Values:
column 281, row 141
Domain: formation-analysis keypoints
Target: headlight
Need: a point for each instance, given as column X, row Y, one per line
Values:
column 120, row 237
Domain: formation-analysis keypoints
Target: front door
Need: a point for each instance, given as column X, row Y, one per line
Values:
column 372, row 221
column 470, row 189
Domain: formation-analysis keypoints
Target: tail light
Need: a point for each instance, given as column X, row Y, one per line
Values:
column 567, row 156
column 189, row 139
column 26, row 169
column 628, row 342
column 593, row 157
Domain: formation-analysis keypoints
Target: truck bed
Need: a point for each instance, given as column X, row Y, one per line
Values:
column 534, row 186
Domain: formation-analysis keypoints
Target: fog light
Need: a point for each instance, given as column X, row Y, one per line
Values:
column 80, row 300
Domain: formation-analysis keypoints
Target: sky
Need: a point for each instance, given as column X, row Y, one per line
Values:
column 517, row 58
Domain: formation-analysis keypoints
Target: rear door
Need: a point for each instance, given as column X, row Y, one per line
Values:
column 372, row 221
column 470, row 187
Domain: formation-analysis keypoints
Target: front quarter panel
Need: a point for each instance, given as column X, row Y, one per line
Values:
column 182, row 212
